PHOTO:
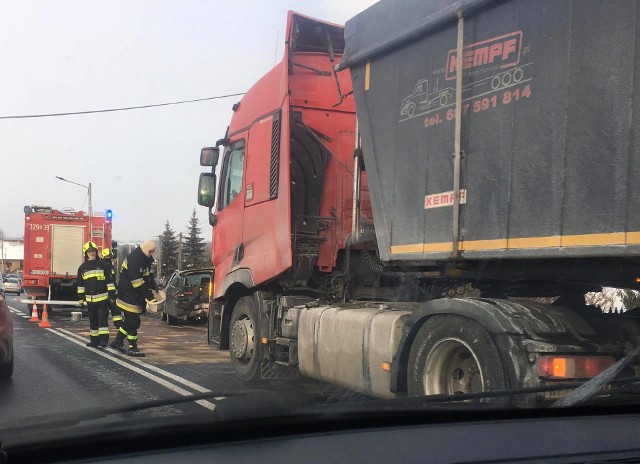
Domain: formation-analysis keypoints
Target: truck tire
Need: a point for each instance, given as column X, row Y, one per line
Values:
column 244, row 340
column 452, row 355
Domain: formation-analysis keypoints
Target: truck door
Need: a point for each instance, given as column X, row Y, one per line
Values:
column 66, row 249
column 227, row 235
column 266, row 228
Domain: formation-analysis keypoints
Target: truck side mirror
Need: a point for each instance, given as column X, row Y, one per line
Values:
column 209, row 156
column 207, row 189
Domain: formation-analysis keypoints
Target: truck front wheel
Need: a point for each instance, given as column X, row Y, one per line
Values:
column 244, row 340
column 453, row 355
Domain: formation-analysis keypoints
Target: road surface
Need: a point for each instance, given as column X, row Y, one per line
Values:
column 56, row 372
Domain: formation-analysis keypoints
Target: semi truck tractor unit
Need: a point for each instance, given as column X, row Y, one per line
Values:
column 446, row 248
column 53, row 241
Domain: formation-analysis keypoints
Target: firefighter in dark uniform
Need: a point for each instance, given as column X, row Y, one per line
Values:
column 116, row 314
column 136, row 286
column 95, row 288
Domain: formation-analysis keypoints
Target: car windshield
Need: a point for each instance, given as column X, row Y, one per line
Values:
column 403, row 206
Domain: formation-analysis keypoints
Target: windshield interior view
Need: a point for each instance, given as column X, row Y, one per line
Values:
column 322, row 232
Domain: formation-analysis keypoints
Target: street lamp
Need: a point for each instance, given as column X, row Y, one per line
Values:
column 88, row 187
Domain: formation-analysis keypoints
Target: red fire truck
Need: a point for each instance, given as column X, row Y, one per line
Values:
column 53, row 242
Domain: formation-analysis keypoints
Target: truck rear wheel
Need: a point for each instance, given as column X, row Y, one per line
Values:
column 453, row 355
column 244, row 340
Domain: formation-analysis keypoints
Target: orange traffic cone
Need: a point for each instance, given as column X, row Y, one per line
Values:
column 45, row 318
column 34, row 314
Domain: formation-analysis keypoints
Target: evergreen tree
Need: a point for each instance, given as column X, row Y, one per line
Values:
column 169, row 250
column 194, row 245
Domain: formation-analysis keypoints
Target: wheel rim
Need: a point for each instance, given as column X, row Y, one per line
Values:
column 451, row 367
column 243, row 339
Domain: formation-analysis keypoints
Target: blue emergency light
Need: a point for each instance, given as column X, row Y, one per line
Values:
column 109, row 214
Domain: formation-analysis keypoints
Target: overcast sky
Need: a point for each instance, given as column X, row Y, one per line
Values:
column 67, row 56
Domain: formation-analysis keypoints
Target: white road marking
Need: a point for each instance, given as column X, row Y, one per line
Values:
column 176, row 378
column 19, row 313
column 78, row 340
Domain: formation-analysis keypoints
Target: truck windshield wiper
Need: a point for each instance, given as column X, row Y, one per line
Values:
column 467, row 403
column 70, row 418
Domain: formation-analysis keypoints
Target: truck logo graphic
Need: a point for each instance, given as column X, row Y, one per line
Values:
column 492, row 70
column 425, row 98
column 503, row 51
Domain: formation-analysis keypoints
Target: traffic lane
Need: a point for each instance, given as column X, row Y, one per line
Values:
column 182, row 350
column 162, row 344
column 54, row 372
column 185, row 343
column 38, row 386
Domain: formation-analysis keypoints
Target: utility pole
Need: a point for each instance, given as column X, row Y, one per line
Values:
column 180, row 251
column 90, row 215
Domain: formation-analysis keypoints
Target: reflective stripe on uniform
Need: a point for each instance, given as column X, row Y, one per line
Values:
column 132, row 337
column 94, row 274
column 116, row 318
column 124, row 264
column 97, row 298
column 80, row 289
column 146, row 273
column 111, row 287
column 122, row 331
column 94, row 333
column 135, row 283
column 128, row 307
column 103, row 331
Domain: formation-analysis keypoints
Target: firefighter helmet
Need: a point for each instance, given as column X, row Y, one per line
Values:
column 89, row 245
column 106, row 253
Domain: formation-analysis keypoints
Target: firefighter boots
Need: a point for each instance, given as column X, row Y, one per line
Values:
column 134, row 351
column 118, row 343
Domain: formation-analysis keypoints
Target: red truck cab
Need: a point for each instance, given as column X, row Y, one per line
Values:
column 284, row 201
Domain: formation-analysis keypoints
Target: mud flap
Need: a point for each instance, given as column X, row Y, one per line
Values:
column 272, row 371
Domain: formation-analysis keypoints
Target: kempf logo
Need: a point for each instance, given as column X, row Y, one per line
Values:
column 503, row 51
column 438, row 200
